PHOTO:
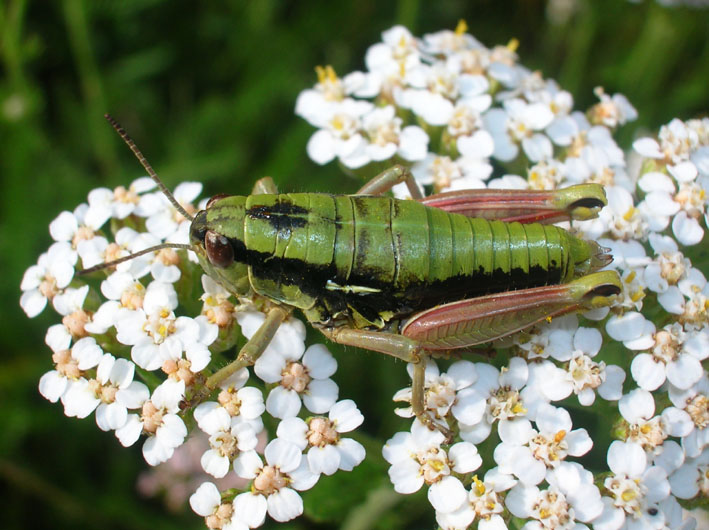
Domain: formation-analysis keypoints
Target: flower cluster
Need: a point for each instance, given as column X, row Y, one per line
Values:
column 129, row 349
column 454, row 110
column 135, row 347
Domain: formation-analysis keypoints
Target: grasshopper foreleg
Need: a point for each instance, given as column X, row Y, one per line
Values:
column 248, row 354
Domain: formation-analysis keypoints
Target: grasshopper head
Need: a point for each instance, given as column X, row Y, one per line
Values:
column 212, row 240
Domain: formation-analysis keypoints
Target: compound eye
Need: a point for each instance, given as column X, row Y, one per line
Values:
column 216, row 198
column 219, row 250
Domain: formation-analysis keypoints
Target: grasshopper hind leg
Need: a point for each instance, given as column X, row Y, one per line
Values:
column 476, row 321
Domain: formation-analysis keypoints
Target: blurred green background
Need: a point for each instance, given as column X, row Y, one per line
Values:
column 207, row 90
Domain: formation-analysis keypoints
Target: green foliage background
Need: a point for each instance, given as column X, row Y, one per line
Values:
column 207, row 89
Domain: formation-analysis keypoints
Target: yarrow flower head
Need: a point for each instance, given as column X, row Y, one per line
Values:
column 494, row 436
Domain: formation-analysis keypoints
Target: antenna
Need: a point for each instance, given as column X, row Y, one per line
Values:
column 143, row 161
column 131, row 256
column 130, row 143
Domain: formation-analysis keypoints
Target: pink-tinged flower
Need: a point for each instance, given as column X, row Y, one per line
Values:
column 611, row 111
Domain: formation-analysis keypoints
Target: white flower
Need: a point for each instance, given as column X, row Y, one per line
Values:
column 70, row 365
column 519, row 123
column 494, row 396
column 53, row 272
column 207, row 502
column 159, row 419
column 620, row 217
column 111, row 393
column 450, row 42
column 327, row 450
column 289, row 340
column 217, row 307
column 228, row 438
column 340, row 133
column 385, row 137
column 528, row 453
column 446, row 174
column 440, row 390
column 122, row 291
column 80, row 225
column 437, row 87
column 638, row 408
column 307, row 379
column 612, row 111
column 570, row 497
column 157, row 335
column 632, row 329
column 120, row 202
column 312, row 103
column 669, row 266
column 417, row 458
column 243, row 403
column 635, row 487
column 163, row 220
column 689, row 299
column 554, row 339
column 393, row 59
column 676, row 355
column 483, row 502
column 274, row 485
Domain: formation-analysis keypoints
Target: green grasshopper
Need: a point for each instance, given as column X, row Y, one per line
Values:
column 407, row 278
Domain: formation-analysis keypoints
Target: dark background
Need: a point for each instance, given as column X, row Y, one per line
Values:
column 207, row 90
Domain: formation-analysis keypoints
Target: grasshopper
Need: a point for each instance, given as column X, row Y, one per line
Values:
column 408, row 278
